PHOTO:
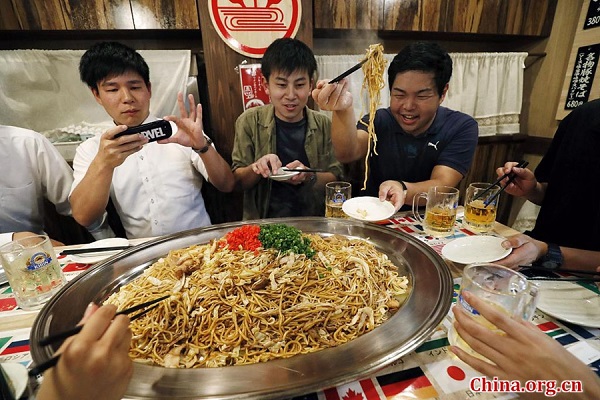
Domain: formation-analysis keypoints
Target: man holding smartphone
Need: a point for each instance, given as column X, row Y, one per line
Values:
column 154, row 186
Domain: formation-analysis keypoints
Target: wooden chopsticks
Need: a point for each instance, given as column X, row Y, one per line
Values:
column 93, row 250
column 510, row 175
column 302, row 169
column 593, row 275
column 39, row 369
column 348, row 72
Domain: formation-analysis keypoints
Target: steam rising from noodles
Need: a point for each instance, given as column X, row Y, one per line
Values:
column 373, row 82
column 232, row 307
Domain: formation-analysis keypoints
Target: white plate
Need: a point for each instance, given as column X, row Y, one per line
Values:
column 569, row 302
column 92, row 258
column 368, row 208
column 472, row 249
column 282, row 175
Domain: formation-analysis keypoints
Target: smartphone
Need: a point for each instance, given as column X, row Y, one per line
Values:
column 153, row 131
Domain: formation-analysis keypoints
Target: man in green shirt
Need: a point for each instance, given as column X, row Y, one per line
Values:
column 285, row 133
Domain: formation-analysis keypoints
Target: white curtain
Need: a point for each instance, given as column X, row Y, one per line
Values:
column 487, row 86
column 41, row 89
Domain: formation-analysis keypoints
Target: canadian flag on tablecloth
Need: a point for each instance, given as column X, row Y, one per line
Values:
column 361, row 390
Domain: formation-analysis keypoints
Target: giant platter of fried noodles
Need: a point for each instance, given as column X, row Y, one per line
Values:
column 231, row 306
column 286, row 319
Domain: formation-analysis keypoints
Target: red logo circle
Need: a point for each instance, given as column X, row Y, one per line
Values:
column 250, row 26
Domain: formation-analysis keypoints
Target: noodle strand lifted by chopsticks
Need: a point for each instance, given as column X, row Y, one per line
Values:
column 373, row 82
column 232, row 307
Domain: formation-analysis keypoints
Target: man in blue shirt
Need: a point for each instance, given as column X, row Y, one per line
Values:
column 419, row 143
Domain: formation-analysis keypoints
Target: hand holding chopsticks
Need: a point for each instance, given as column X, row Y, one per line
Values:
column 510, row 175
column 63, row 335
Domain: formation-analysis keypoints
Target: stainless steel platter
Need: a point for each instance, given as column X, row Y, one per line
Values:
column 403, row 332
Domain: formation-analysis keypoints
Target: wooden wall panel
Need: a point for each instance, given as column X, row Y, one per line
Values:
column 464, row 15
column 40, row 14
column 356, row 14
column 8, row 16
column 165, row 14
column 433, row 15
column 98, row 14
column 402, row 15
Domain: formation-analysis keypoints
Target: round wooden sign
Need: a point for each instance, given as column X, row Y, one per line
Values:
column 249, row 26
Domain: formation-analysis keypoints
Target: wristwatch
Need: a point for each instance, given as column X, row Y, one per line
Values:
column 312, row 179
column 404, row 187
column 553, row 258
column 205, row 148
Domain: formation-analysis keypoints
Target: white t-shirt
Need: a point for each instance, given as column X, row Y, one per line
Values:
column 32, row 169
column 156, row 191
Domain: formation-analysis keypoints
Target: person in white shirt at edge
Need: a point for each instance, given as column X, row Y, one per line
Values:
column 155, row 187
column 33, row 170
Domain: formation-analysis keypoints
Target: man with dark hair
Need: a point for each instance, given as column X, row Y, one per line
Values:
column 419, row 143
column 284, row 133
column 155, row 186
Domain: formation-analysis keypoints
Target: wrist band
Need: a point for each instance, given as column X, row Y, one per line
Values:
column 205, row 148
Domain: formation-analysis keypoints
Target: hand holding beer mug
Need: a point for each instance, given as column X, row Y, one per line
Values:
column 33, row 272
column 336, row 193
column 440, row 210
column 480, row 214
column 507, row 290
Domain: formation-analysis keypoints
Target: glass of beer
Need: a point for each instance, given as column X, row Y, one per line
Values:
column 479, row 216
column 440, row 210
column 507, row 290
column 336, row 193
column 33, row 272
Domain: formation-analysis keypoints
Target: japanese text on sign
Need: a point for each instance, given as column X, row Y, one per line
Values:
column 592, row 19
column 253, row 91
column 582, row 78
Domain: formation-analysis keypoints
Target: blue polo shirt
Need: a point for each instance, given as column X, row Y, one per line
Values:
column 450, row 140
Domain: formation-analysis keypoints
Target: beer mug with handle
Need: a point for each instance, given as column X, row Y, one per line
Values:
column 440, row 210
column 507, row 290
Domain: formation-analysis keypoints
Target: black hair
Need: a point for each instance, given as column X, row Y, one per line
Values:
column 288, row 55
column 108, row 59
column 425, row 57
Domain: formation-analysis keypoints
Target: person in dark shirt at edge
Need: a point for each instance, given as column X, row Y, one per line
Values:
column 420, row 144
column 565, row 186
column 284, row 133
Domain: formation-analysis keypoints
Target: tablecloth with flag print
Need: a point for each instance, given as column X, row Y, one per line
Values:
column 429, row 372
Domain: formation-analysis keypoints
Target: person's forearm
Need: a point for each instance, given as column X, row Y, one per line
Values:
column 344, row 136
column 580, row 259
column 219, row 172
column 536, row 196
column 245, row 178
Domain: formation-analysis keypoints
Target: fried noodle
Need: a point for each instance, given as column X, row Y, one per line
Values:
column 373, row 81
column 233, row 307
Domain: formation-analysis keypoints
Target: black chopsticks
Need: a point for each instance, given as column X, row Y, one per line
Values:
column 302, row 169
column 348, row 72
column 38, row 369
column 511, row 177
column 564, row 270
column 594, row 275
column 93, row 250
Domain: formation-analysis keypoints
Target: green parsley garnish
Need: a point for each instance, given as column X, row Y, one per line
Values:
column 285, row 239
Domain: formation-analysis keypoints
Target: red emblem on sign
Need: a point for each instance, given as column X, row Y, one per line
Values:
column 250, row 26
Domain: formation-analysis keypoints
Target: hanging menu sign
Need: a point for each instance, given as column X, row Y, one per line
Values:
column 592, row 19
column 582, row 77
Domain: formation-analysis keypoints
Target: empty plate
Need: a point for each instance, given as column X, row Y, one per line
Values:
column 472, row 249
column 282, row 175
column 92, row 258
column 368, row 208
column 570, row 302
